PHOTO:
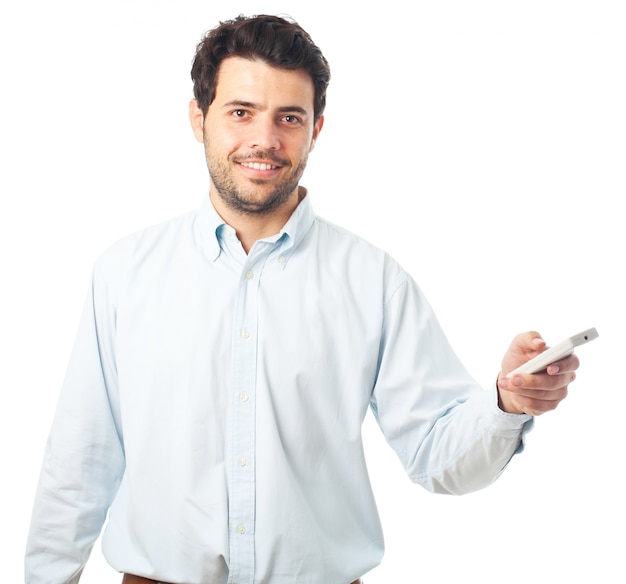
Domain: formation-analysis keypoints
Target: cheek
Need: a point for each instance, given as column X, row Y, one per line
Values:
column 300, row 148
column 220, row 145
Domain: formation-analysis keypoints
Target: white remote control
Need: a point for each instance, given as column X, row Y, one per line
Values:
column 556, row 353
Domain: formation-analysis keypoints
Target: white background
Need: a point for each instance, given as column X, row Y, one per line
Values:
column 480, row 143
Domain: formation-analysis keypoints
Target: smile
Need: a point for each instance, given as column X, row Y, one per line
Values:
column 258, row 165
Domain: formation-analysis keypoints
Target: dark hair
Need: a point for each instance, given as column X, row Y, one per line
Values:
column 277, row 41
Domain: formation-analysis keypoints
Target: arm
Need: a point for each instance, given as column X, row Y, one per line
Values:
column 447, row 430
column 537, row 393
column 84, row 459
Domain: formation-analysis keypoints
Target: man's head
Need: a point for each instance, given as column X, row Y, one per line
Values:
column 277, row 41
column 260, row 90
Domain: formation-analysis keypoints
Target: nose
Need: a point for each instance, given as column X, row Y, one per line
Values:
column 264, row 134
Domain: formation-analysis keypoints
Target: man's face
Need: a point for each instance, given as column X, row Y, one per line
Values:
column 257, row 134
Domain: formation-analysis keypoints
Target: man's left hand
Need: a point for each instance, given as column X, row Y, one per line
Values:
column 536, row 393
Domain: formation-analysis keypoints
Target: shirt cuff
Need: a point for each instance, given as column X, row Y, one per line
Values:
column 507, row 421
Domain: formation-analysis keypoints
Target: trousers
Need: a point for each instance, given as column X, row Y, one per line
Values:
column 131, row 579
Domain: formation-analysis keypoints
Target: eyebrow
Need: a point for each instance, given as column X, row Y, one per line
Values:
column 252, row 105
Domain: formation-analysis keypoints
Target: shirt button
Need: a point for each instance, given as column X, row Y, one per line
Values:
column 244, row 397
column 249, row 275
column 241, row 529
column 282, row 259
column 241, row 461
column 245, row 334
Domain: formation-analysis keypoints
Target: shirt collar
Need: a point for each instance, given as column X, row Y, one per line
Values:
column 298, row 224
column 212, row 227
column 209, row 225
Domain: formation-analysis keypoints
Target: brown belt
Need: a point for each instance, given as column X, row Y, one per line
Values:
column 130, row 579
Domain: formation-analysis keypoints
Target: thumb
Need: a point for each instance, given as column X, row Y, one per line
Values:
column 524, row 347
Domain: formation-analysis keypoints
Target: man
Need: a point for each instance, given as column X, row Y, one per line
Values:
column 226, row 359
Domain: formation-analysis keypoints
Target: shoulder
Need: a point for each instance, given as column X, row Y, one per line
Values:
column 145, row 245
column 344, row 240
column 362, row 258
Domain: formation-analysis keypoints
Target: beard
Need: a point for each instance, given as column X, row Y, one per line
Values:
column 258, row 197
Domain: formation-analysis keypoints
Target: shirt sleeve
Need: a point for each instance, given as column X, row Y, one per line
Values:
column 84, row 458
column 448, row 432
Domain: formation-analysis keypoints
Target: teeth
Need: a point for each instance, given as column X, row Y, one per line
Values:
column 258, row 165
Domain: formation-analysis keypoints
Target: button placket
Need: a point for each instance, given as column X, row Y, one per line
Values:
column 242, row 447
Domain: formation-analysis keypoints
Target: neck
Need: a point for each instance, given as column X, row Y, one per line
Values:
column 251, row 227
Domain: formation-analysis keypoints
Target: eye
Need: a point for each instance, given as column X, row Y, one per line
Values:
column 239, row 113
column 292, row 119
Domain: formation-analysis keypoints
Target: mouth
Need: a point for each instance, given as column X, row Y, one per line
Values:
column 259, row 165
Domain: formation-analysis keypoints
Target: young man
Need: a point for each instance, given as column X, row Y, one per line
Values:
column 226, row 359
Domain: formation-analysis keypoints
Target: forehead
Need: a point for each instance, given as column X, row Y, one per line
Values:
column 256, row 81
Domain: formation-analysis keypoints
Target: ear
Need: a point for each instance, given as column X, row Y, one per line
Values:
column 196, row 118
column 317, row 128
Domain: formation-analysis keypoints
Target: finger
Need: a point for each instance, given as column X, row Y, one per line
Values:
column 565, row 365
column 528, row 384
column 536, row 407
column 557, row 394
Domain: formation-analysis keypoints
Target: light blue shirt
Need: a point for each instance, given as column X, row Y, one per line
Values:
column 214, row 400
